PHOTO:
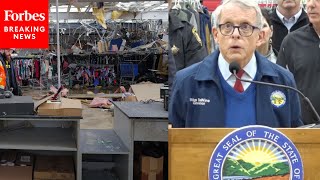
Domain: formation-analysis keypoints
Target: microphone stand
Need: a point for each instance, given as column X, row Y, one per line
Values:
column 305, row 99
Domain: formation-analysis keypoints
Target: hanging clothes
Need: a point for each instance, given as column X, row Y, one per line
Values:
column 205, row 29
column 116, row 43
column 27, row 70
column 42, row 68
column 186, row 45
column 36, row 64
column 191, row 17
column 50, row 69
column 197, row 17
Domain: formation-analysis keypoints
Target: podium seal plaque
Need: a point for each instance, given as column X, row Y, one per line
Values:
column 255, row 152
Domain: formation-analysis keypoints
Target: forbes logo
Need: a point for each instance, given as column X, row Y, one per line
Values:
column 25, row 16
column 255, row 152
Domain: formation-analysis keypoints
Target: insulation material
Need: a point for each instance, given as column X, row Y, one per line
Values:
column 78, row 5
column 99, row 14
column 98, row 102
column 116, row 14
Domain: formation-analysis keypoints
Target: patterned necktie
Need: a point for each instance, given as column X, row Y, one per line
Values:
column 238, row 85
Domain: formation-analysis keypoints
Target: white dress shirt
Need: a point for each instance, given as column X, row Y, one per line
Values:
column 250, row 71
column 291, row 21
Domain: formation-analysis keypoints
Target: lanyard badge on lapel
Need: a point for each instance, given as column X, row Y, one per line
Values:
column 278, row 98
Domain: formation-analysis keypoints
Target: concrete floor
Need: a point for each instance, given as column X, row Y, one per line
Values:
column 93, row 118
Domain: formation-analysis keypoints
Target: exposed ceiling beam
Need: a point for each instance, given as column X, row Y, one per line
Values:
column 71, row 15
column 143, row 15
column 129, row 16
column 153, row 7
column 88, row 8
column 68, row 10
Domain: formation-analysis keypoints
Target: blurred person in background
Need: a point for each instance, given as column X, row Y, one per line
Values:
column 266, row 48
column 11, row 78
column 287, row 17
column 300, row 53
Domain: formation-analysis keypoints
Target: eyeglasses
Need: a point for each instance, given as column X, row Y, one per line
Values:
column 244, row 30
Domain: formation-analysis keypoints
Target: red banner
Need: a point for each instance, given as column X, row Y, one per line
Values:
column 24, row 24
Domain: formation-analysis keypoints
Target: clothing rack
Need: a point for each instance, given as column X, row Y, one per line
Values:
column 25, row 57
column 91, row 69
column 35, row 71
column 28, row 70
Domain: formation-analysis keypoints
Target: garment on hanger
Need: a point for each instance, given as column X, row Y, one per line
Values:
column 46, row 61
column 197, row 18
column 116, row 42
column 50, row 69
column 36, row 64
column 186, row 45
column 205, row 25
column 191, row 18
column 25, row 68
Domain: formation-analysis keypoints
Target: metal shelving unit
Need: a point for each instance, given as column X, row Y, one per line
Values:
column 136, row 121
column 44, row 135
column 104, row 149
column 49, row 139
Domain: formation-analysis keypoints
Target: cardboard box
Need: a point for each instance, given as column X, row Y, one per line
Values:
column 151, row 168
column 146, row 91
column 54, row 168
column 16, row 172
column 130, row 98
column 67, row 107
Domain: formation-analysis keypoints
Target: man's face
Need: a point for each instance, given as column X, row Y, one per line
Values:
column 289, row 4
column 236, row 47
column 313, row 10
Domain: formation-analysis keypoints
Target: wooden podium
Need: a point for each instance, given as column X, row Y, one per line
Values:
column 190, row 150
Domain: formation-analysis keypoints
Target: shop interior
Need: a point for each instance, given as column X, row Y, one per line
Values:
column 93, row 103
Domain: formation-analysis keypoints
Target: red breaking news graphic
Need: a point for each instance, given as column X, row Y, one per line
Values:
column 24, row 24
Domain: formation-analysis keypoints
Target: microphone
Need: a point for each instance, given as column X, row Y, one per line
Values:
column 234, row 67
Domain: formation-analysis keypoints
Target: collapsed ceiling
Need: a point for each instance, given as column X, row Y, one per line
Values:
column 140, row 6
column 74, row 11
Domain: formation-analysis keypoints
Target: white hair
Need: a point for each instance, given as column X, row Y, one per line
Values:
column 248, row 4
column 215, row 14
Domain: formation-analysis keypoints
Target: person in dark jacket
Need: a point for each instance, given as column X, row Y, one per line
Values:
column 287, row 17
column 186, row 45
column 11, row 83
column 207, row 94
column 300, row 53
